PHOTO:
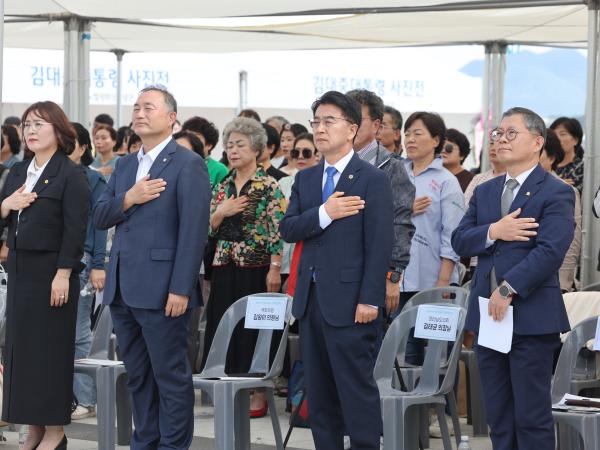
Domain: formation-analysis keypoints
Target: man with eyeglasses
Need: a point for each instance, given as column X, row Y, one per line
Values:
column 520, row 226
column 159, row 199
column 342, row 210
column 403, row 191
column 390, row 131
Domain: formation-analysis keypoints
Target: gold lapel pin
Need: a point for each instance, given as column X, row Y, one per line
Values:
column 350, row 176
column 165, row 160
column 45, row 181
column 528, row 193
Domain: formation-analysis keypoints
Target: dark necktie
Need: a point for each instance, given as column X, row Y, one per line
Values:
column 329, row 184
column 505, row 202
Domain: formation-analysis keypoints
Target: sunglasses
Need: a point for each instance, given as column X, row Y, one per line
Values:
column 448, row 148
column 307, row 153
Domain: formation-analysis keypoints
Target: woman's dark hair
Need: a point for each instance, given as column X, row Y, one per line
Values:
column 13, row 138
column 573, row 127
column 434, row 124
column 53, row 114
column 202, row 126
column 224, row 160
column 249, row 113
column 351, row 109
column 104, row 119
column 464, row 146
column 133, row 139
column 553, row 148
column 123, row 134
column 298, row 129
column 273, row 138
column 305, row 137
column 195, row 142
column 83, row 139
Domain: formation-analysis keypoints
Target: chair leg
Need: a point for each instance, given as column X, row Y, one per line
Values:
column 124, row 418
column 105, row 382
column 223, row 417
column 451, row 400
column 441, row 415
column 274, row 419
column 478, row 418
column 393, row 424
column 423, row 411
column 241, row 420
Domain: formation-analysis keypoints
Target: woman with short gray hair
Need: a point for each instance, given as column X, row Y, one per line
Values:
column 245, row 212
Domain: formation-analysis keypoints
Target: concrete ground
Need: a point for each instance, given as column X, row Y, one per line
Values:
column 82, row 434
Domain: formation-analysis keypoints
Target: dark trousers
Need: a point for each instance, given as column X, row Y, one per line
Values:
column 342, row 394
column 154, row 349
column 516, row 389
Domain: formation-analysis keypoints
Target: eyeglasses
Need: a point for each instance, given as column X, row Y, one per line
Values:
column 510, row 134
column 306, row 153
column 448, row 148
column 385, row 127
column 36, row 125
column 328, row 121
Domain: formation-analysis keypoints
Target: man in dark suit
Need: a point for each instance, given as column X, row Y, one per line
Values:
column 520, row 227
column 340, row 289
column 403, row 191
column 159, row 199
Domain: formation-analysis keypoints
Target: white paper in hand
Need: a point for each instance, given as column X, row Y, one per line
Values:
column 495, row 335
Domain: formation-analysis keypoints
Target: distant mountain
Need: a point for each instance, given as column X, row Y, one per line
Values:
column 551, row 83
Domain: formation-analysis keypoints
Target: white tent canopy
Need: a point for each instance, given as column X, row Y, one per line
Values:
column 196, row 26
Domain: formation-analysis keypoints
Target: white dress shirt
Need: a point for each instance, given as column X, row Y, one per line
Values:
column 146, row 160
column 33, row 175
column 324, row 219
column 520, row 179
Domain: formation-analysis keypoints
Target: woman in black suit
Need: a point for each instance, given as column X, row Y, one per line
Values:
column 45, row 204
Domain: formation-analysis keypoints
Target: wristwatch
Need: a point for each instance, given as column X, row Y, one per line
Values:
column 505, row 291
column 394, row 276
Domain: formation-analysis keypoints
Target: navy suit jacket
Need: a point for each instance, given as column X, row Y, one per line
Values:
column 158, row 246
column 351, row 256
column 531, row 267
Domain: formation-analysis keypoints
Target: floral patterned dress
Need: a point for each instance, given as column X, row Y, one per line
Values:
column 245, row 243
column 572, row 171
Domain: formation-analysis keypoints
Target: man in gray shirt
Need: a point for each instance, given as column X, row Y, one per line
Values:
column 403, row 191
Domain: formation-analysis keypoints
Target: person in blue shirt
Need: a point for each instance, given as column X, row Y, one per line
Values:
column 91, row 278
column 437, row 211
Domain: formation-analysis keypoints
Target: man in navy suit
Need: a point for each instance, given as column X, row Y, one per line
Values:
column 159, row 199
column 520, row 227
column 342, row 210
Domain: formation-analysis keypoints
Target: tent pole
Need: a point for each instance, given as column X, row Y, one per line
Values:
column 591, row 225
column 493, row 93
column 83, row 67
column 497, row 86
column 243, row 90
column 70, row 69
column 485, row 109
column 119, row 54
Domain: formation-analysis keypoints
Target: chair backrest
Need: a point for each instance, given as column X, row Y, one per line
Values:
column 456, row 295
column 394, row 343
column 101, row 334
column 575, row 341
column 217, row 355
column 462, row 272
column 595, row 287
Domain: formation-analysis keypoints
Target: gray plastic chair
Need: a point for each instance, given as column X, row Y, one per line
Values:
column 111, row 386
column 231, row 397
column 587, row 425
column 401, row 424
column 595, row 287
column 457, row 296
